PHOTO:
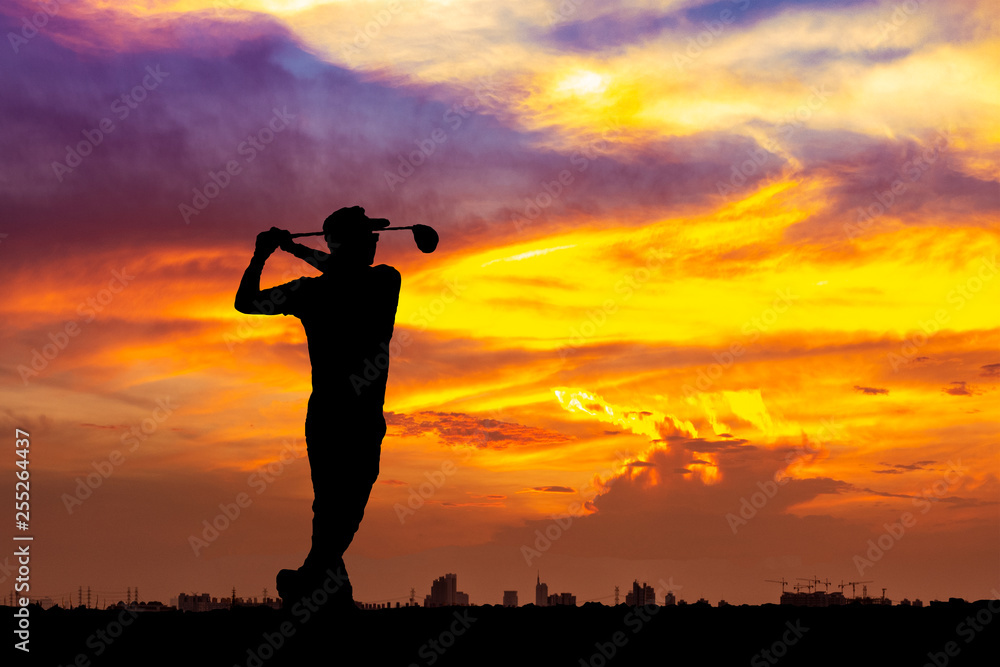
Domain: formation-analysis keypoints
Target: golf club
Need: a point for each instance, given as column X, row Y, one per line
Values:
column 425, row 237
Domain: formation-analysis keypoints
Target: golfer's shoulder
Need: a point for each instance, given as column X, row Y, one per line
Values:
column 386, row 273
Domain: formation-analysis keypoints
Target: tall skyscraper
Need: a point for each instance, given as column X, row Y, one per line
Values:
column 510, row 598
column 445, row 593
column 541, row 592
column 640, row 595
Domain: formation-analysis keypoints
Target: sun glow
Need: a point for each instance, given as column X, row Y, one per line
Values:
column 583, row 83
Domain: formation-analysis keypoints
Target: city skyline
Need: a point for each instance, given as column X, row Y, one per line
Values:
column 443, row 591
column 714, row 301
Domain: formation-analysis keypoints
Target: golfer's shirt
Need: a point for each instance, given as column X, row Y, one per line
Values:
column 348, row 317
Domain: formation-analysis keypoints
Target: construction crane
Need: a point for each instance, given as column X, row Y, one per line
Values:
column 811, row 585
column 778, row 581
column 816, row 581
column 852, row 584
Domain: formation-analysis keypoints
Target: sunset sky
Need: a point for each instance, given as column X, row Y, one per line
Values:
column 715, row 301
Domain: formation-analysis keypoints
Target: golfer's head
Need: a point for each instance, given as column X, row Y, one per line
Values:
column 350, row 236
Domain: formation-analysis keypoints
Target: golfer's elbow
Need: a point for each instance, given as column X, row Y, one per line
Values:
column 247, row 304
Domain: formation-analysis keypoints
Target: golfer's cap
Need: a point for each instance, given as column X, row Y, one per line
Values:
column 352, row 223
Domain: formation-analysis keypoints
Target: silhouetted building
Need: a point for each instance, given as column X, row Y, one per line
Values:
column 445, row 593
column 640, row 595
column 154, row 605
column 561, row 599
column 813, row 599
column 510, row 598
column 541, row 592
column 204, row 602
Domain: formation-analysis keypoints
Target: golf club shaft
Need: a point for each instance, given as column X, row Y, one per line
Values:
column 384, row 229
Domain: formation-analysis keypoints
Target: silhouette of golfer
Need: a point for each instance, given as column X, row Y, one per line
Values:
column 348, row 315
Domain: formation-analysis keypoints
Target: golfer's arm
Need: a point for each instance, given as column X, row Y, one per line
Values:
column 316, row 258
column 249, row 291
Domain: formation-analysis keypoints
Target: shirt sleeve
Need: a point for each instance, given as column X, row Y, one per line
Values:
column 289, row 299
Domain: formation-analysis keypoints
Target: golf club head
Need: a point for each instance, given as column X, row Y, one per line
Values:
column 425, row 237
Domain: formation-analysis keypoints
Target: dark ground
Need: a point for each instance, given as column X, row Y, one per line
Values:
column 593, row 635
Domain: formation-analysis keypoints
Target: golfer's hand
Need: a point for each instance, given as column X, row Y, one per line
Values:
column 267, row 243
column 284, row 237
